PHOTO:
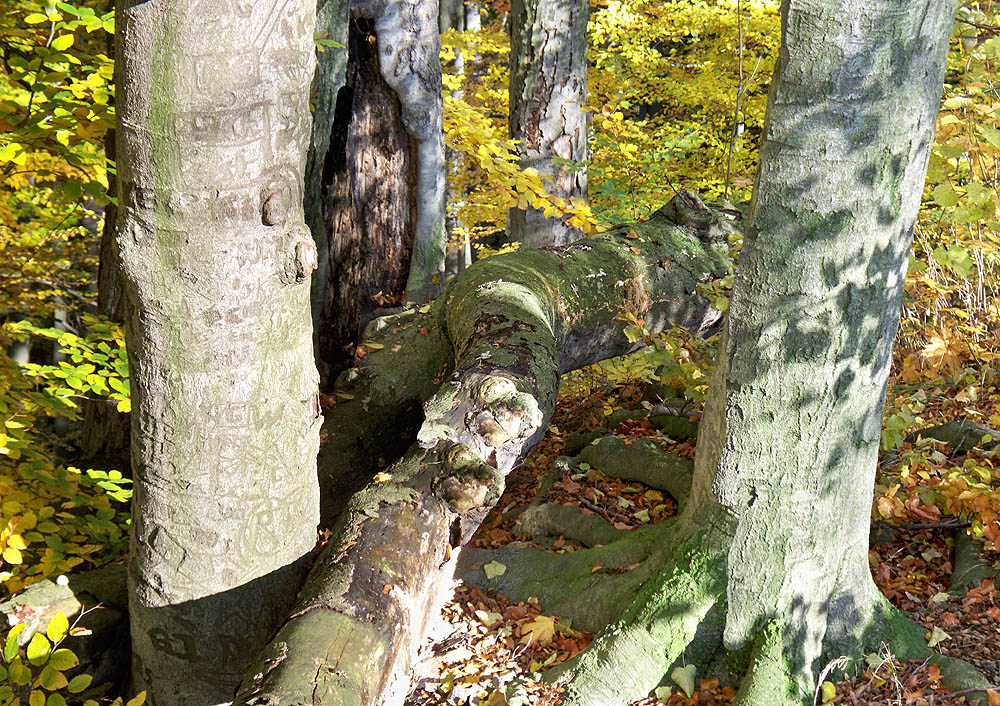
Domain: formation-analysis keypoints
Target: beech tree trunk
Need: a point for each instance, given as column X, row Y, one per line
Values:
column 485, row 361
column 212, row 133
column 375, row 194
column 548, row 92
column 771, row 552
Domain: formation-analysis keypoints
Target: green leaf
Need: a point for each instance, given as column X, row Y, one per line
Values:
column 991, row 135
column 494, row 569
column 63, row 659
column 36, row 698
column 35, row 18
column 79, row 683
column 58, row 627
column 977, row 193
column 56, row 700
column 944, row 195
column 52, row 679
column 957, row 102
column 10, row 648
column 38, row 649
column 956, row 258
column 18, row 673
column 684, row 678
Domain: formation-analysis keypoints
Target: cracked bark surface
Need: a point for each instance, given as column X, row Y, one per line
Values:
column 548, row 91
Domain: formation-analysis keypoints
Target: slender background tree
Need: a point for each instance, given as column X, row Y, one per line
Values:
column 548, row 97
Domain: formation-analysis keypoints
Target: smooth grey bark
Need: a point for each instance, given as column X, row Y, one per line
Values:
column 213, row 126
column 788, row 444
column 456, row 15
column 548, row 94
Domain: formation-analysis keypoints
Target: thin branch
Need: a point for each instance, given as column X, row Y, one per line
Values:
column 979, row 25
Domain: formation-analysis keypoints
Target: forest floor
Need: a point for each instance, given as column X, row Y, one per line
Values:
column 487, row 641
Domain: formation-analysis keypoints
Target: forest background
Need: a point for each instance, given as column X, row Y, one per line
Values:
column 676, row 95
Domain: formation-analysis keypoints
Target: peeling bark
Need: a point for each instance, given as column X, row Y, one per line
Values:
column 548, row 91
column 514, row 323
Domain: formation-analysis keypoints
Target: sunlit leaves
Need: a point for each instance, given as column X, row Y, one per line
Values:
column 41, row 664
column 54, row 518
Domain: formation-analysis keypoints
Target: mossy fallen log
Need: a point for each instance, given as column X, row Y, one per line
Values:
column 486, row 362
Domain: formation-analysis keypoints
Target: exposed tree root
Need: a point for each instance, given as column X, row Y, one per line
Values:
column 567, row 584
column 676, row 618
column 970, row 569
column 554, row 520
column 960, row 436
column 643, row 462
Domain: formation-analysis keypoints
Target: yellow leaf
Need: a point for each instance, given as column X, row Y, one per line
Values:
column 62, row 42
column 829, row 692
column 12, row 556
column 540, row 631
column 937, row 636
column 16, row 541
column 57, row 629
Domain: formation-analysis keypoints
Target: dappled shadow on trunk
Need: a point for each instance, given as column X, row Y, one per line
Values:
column 788, row 443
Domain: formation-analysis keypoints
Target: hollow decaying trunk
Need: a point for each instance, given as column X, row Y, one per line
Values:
column 212, row 137
column 368, row 200
column 375, row 196
column 495, row 343
column 548, row 94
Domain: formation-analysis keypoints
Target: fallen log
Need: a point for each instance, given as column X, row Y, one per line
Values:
column 501, row 333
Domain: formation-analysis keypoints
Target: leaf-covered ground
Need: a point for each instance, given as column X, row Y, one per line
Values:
column 486, row 642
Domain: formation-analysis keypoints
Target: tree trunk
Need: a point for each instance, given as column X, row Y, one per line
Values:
column 376, row 178
column 774, row 541
column 213, row 129
column 548, row 92
column 507, row 327
column 105, row 434
column 456, row 15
